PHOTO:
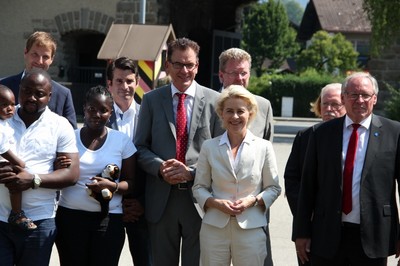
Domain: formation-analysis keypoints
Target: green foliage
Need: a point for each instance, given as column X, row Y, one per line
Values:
column 294, row 11
column 392, row 109
column 328, row 54
column 267, row 34
column 304, row 89
column 384, row 18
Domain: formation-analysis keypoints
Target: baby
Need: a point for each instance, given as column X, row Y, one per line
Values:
column 7, row 108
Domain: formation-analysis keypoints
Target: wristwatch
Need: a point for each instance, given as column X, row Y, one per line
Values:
column 256, row 202
column 36, row 182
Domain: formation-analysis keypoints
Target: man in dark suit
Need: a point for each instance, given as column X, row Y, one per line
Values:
column 235, row 68
column 170, row 210
column 350, row 218
column 122, row 81
column 39, row 53
column 327, row 106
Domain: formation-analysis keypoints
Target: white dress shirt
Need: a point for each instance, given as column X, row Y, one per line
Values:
column 363, row 137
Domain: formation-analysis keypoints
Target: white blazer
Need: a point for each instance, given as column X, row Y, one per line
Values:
column 257, row 174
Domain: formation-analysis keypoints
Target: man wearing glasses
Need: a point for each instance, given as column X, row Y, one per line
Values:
column 327, row 106
column 347, row 212
column 174, row 121
column 234, row 69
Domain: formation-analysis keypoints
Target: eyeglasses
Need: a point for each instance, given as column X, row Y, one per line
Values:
column 178, row 65
column 234, row 74
column 334, row 106
column 356, row 96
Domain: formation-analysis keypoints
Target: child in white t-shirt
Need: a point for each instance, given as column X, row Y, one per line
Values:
column 7, row 108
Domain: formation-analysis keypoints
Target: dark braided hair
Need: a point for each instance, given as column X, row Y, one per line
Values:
column 96, row 91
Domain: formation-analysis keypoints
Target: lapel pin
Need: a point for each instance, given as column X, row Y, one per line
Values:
column 376, row 134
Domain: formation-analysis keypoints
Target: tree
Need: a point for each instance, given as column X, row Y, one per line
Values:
column 294, row 11
column 267, row 34
column 328, row 53
column 384, row 18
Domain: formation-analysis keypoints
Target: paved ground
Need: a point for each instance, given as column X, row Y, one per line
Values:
column 283, row 252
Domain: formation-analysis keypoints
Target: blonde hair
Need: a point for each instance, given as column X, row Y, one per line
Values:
column 42, row 39
column 236, row 54
column 237, row 91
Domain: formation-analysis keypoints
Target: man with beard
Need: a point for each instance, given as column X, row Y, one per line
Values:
column 39, row 136
column 328, row 106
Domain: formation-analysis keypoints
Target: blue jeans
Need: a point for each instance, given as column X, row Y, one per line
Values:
column 30, row 248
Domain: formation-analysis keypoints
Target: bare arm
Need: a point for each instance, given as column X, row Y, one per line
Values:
column 13, row 159
column 57, row 179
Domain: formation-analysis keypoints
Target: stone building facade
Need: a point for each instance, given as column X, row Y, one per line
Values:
column 80, row 27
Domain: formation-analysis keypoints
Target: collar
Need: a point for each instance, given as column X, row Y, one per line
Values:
column 225, row 140
column 366, row 123
column 191, row 91
column 132, row 108
column 18, row 118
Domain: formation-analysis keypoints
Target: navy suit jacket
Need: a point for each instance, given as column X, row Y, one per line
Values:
column 319, row 209
column 60, row 100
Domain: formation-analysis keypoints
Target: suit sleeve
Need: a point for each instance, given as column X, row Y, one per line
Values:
column 269, row 134
column 306, row 199
column 292, row 176
column 69, row 110
column 147, row 159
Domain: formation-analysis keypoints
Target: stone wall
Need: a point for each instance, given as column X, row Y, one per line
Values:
column 20, row 18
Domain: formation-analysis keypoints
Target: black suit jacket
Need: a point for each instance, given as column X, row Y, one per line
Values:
column 60, row 101
column 319, row 208
column 294, row 168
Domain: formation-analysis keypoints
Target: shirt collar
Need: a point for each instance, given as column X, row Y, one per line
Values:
column 366, row 123
column 132, row 108
column 225, row 140
column 191, row 91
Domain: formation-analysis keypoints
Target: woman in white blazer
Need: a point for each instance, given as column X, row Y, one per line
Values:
column 236, row 181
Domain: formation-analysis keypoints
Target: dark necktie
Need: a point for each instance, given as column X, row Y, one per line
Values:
column 348, row 171
column 181, row 129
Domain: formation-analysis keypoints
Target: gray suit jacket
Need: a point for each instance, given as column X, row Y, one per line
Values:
column 156, row 139
column 319, row 214
column 262, row 126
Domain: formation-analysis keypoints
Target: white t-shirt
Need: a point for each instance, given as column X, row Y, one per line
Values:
column 5, row 137
column 117, row 147
column 37, row 146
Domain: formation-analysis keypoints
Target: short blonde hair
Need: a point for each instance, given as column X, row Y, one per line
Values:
column 42, row 39
column 236, row 54
column 237, row 91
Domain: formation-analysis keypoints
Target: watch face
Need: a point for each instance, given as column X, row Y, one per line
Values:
column 37, row 181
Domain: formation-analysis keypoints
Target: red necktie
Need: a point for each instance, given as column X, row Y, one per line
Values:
column 181, row 131
column 348, row 171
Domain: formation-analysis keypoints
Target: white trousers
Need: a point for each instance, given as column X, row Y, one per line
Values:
column 221, row 246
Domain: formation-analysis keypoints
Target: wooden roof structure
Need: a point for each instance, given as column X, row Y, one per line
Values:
column 344, row 16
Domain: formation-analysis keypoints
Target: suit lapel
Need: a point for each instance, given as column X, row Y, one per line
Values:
column 166, row 102
column 374, row 142
column 224, row 154
column 198, row 107
column 112, row 122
